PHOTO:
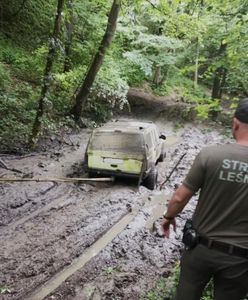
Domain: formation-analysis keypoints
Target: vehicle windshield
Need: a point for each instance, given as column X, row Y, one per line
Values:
column 117, row 141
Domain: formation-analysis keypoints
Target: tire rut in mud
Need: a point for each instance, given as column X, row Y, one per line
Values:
column 49, row 241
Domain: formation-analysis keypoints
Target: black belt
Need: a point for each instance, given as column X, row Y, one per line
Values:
column 223, row 247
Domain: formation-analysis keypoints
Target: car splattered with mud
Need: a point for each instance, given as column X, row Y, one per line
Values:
column 126, row 148
column 90, row 240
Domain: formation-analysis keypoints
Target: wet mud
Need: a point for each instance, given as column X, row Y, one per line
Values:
column 90, row 240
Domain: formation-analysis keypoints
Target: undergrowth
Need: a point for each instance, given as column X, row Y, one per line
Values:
column 182, row 86
column 166, row 288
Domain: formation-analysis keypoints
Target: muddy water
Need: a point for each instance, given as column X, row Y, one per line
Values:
column 58, row 234
column 157, row 202
column 88, row 254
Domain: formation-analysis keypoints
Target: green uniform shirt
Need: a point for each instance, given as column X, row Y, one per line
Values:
column 221, row 174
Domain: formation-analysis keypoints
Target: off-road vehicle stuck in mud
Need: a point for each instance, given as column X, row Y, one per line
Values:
column 126, row 149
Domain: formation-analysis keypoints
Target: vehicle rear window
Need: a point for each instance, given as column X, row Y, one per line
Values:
column 117, row 141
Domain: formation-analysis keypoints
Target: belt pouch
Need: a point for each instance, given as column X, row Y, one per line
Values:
column 190, row 235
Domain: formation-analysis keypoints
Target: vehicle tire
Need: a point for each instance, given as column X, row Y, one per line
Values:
column 92, row 174
column 151, row 180
column 162, row 156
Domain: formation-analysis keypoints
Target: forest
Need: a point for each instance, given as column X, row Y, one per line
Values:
column 71, row 63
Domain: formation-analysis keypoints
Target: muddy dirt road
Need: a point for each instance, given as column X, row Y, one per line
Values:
column 88, row 240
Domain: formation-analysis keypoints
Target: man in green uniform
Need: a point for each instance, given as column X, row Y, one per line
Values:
column 220, row 218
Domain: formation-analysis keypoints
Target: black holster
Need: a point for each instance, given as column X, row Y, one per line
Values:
column 190, row 235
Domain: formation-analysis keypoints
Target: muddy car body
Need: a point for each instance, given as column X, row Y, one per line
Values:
column 127, row 149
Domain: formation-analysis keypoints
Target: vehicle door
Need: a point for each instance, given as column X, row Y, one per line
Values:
column 150, row 148
column 157, row 142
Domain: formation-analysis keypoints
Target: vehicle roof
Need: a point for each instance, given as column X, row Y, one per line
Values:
column 125, row 126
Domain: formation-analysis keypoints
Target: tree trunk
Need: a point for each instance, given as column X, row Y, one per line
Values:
column 219, row 82
column 84, row 90
column 68, row 35
column 199, row 3
column 223, row 81
column 196, row 64
column 47, row 78
column 157, row 79
column 219, row 76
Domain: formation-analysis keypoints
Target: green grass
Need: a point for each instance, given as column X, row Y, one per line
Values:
column 166, row 288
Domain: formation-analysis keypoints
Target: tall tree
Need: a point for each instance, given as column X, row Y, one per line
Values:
column 198, row 42
column 47, row 78
column 219, row 75
column 68, row 35
column 84, row 90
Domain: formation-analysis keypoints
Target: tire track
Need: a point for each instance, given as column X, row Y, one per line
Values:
column 79, row 263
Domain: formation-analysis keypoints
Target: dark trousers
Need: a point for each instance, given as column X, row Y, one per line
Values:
column 199, row 265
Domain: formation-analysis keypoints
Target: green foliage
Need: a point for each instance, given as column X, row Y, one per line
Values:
column 166, row 288
column 22, row 64
column 175, row 82
column 208, row 292
column 4, row 290
column 136, row 57
column 64, row 86
column 109, row 92
column 8, row 51
column 110, row 270
column 207, row 107
column 4, row 77
column 8, row 57
column 152, row 51
column 17, row 96
column 164, row 36
column 28, row 24
column 89, row 23
column 26, row 69
column 132, row 73
column 17, row 116
column 183, row 86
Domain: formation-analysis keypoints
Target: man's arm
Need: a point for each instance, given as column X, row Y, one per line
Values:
column 178, row 201
column 191, row 184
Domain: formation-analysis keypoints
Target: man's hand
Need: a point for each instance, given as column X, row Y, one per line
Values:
column 179, row 199
column 166, row 226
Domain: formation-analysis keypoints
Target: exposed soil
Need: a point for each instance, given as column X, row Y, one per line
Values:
column 60, row 234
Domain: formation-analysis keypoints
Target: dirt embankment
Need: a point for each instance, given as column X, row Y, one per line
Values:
column 144, row 103
column 91, row 240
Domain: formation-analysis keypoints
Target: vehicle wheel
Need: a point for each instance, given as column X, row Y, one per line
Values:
column 151, row 180
column 92, row 174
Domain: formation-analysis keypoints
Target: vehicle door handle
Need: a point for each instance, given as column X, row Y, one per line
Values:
column 114, row 166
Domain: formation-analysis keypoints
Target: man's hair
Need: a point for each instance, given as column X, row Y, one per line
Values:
column 241, row 112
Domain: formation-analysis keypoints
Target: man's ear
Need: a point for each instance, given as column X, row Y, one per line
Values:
column 236, row 125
